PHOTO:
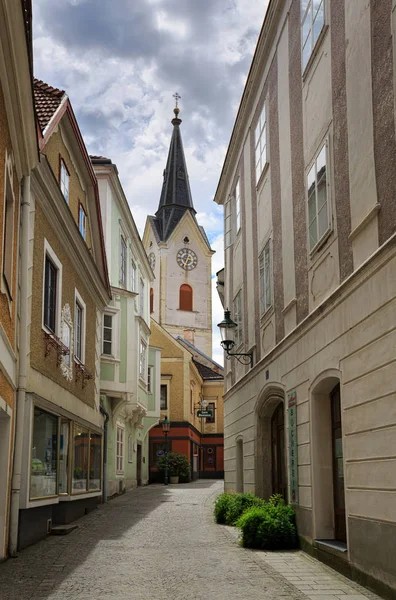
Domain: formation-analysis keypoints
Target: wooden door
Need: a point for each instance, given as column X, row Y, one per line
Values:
column 279, row 485
column 139, row 465
column 338, row 466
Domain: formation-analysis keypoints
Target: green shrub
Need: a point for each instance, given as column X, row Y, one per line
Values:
column 221, row 506
column 178, row 465
column 269, row 527
column 238, row 504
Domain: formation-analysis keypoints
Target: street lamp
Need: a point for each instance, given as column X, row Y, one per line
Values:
column 227, row 331
column 165, row 428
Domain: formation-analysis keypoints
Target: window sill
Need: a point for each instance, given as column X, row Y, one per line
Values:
column 268, row 313
column 314, row 53
column 262, row 176
column 109, row 358
column 79, row 495
column 322, row 242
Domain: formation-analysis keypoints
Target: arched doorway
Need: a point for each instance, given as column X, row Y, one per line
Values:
column 270, row 468
column 327, row 459
column 279, row 485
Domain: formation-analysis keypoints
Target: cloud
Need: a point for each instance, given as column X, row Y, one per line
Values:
column 121, row 62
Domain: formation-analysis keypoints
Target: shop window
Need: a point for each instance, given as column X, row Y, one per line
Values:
column 95, row 461
column 64, row 456
column 44, row 457
column 80, row 459
column 186, row 297
column 164, row 397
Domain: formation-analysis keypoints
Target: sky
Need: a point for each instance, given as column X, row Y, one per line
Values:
column 121, row 61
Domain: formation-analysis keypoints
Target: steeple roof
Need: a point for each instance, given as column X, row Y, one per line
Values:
column 176, row 194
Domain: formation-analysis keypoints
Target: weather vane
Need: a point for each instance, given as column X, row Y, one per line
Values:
column 177, row 98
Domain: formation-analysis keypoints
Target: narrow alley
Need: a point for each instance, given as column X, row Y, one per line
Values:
column 158, row 543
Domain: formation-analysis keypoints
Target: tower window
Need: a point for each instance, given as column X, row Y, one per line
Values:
column 186, row 240
column 151, row 300
column 186, row 297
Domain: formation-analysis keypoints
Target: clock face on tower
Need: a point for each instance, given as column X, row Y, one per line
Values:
column 187, row 259
column 152, row 260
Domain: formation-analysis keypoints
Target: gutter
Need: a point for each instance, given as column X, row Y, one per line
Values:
column 107, row 417
column 22, row 375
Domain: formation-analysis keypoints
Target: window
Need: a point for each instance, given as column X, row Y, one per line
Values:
column 78, row 326
column 44, row 465
column 107, row 334
column 164, row 397
column 82, row 220
column 260, row 143
column 142, row 367
column 50, row 294
column 212, row 407
column 238, row 206
column 238, row 318
column 133, row 276
column 312, row 22
column 64, row 180
column 150, row 372
column 227, row 225
column 80, row 459
column 185, row 297
column 151, row 300
column 141, row 298
column 318, row 210
column 123, row 260
column 191, row 401
column 265, row 279
column 8, row 239
column 120, row 449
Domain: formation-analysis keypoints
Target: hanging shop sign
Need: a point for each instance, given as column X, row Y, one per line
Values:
column 293, row 455
column 205, row 413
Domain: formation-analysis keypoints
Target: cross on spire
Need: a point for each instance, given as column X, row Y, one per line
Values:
column 177, row 98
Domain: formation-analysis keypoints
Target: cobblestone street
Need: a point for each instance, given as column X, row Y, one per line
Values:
column 162, row 544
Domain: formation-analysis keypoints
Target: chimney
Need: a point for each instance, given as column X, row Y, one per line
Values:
column 189, row 335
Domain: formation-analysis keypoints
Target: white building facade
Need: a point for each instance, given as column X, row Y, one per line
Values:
column 130, row 368
column 308, row 188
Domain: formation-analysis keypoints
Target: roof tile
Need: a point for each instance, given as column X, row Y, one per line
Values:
column 47, row 100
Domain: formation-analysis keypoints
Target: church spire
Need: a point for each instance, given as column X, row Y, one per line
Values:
column 176, row 194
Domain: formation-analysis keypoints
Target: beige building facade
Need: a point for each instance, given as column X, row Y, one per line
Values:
column 308, row 188
column 63, row 271
column 18, row 155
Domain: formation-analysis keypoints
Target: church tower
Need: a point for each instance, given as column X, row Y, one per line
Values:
column 180, row 255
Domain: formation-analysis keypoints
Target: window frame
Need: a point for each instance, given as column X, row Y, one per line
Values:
column 111, row 341
column 7, row 265
column 266, row 279
column 313, row 166
column 260, row 132
column 150, row 373
column 120, row 449
column 64, row 182
column 162, row 387
column 143, row 360
column 190, row 297
column 48, row 252
column 123, row 260
column 141, row 297
column 133, row 275
column 311, row 36
column 211, row 406
column 238, row 312
column 81, row 212
column 80, row 302
column 238, row 209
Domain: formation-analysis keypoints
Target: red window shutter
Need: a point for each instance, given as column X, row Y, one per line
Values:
column 186, row 297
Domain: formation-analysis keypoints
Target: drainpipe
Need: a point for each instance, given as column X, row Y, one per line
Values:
column 107, row 417
column 22, row 373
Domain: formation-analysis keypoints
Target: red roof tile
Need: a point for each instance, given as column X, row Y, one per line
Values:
column 47, row 100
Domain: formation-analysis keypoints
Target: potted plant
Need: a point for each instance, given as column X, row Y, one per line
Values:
column 178, row 466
